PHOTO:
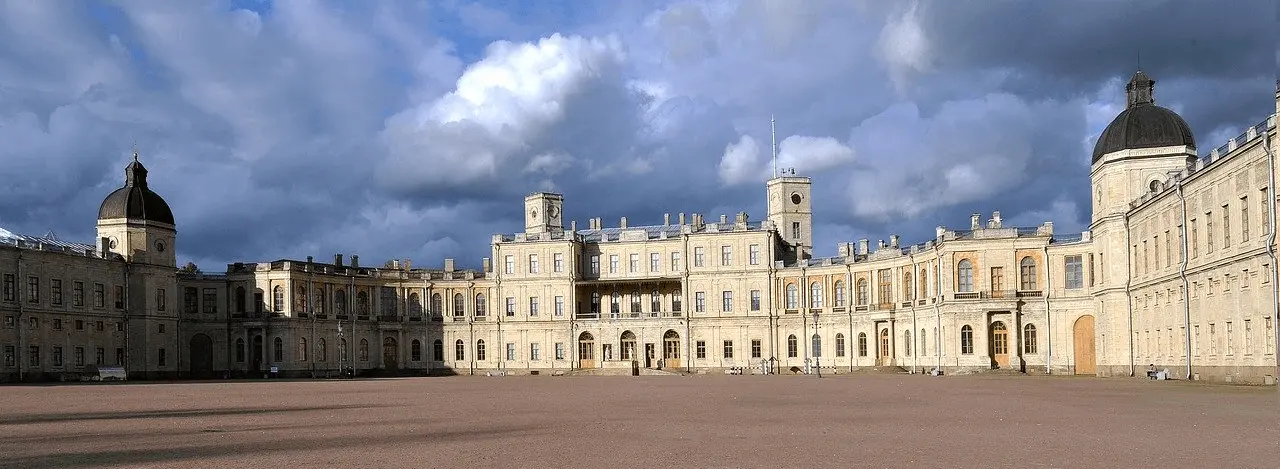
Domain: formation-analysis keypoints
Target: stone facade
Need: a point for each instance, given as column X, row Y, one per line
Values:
column 1176, row 271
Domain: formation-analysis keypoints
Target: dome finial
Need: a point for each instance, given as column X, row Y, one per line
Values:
column 135, row 152
column 1141, row 89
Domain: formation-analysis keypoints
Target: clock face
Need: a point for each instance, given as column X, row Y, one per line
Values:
column 795, row 198
column 160, row 246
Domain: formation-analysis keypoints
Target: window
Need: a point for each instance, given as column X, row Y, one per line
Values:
column 793, row 347
column 676, row 301
column 559, row 350
column 863, row 292
column 699, row 302
column 120, row 356
column 1264, row 212
column 277, row 298
column 162, row 358
column 159, row 328
column 635, row 301
column 533, row 263
column 614, row 309
column 535, row 352
column 9, row 359
column 633, row 263
column 322, row 350
column 815, row 295
column 10, row 292
column 726, row 301
column 839, row 294
column 816, row 342
column 482, row 308
column 700, row 348
column 1027, row 274
column 480, row 350
column 511, row 351
column 302, row 349
column 211, row 300
column 755, row 300
column 459, row 305
column 655, row 262
column 533, row 306
column 966, row 340
column 595, row 264
column 559, row 302
column 964, row 276
column 698, row 256
column 753, row 254
column 57, row 324
column 1244, row 219
column 239, row 350
column 1074, row 267
column 1270, row 333
column 557, row 262
column 57, row 356
column 907, row 289
column 1208, row 231
column 100, row 356
column 675, row 261
column 862, row 344
column 1248, row 337
column 437, row 350
column 613, row 263
column 55, row 293
column 755, row 348
column 511, row 308
column 509, row 264
column 33, row 356
column 924, row 283
column 655, row 301
column 795, row 230
column 726, row 255
column 839, row 345
column 728, row 349
column 119, row 297
column 924, row 344
column 1029, row 338
column 906, row 343
column 190, row 302
column 79, row 324
column 77, row 294
column 886, row 289
column 241, row 300
column 793, row 296
column 459, row 350
column 1231, row 347
column 33, row 289
column 1226, row 226
column 99, row 295
column 1195, row 238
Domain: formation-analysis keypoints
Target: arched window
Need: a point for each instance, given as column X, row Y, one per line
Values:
column 302, row 349
column 480, row 350
column 364, row 350
column 277, row 349
column 319, row 302
column 839, row 345
column 1027, row 274
column 839, row 292
column 1029, row 338
column 906, row 343
column 1156, row 186
column 277, row 299
column 923, row 349
column 862, row 344
column 322, row 351
column 362, row 303
column 793, row 347
column 924, row 284
column 677, row 299
column 415, row 350
column 815, row 295
column 340, row 301
column 437, row 350
column 241, row 301
column 415, row 304
column 862, row 293
column 595, row 303
column 793, row 296
column 459, row 350
column 342, row 350
column 481, row 307
column 964, row 276
column 908, row 291
column 299, row 300
column 614, row 300
column 239, row 350
column 437, row 306
column 966, row 340
column 816, row 345
column 459, row 305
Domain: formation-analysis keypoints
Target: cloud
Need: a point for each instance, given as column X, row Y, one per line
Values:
column 904, row 47
column 742, row 163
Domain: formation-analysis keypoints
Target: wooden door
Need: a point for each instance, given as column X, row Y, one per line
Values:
column 586, row 351
column 1085, row 351
column 884, row 347
column 650, row 353
column 671, row 351
column 390, row 354
column 1000, row 344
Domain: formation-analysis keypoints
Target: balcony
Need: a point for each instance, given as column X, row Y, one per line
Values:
column 997, row 294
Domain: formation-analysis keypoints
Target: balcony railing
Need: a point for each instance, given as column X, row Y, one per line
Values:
column 997, row 294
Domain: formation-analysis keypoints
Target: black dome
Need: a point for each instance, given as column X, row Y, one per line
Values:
column 135, row 201
column 1143, row 124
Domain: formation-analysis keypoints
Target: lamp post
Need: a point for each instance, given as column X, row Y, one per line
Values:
column 817, row 345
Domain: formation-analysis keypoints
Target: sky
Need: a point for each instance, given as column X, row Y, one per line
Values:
column 413, row 129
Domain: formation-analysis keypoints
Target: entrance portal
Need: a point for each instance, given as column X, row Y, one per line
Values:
column 390, row 354
column 884, row 347
column 1085, row 353
column 650, row 353
column 586, row 350
column 201, row 356
column 1000, row 344
column 671, row 350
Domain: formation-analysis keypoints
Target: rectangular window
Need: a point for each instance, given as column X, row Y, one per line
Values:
column 1248, row 337
column 100, row 356
column 99, row 326
column 57, row 324
column 633, row 263
column 1264, row 212
column 33, row 356
column 699, row 302
column 161, row 299
column 1168, row 249
column 726, row 301
column 559, row 306
column 10, row 290
column 9, row 359
column 795, row 230
column 120, row 356
column 728, row 349
column 509, row 264
column 886, row 289
column 77, row 294
column 613, row 263
column 533, row 306
column 1244, row 219
column 79, row 324
column 1226, row 226
column 57, row 356
column 698, row 256
column 595, row 264
column 755, row 348
column 559, row 350
column 635, row 301
column 701, row 349
column 55, row 291
column 675, row 261
column 119, row 296
column 655, row 301
column 1231, row 348
column 997, row 280
column 557, row 262
column 190, row 302
column 1271, row 336
column 1208, row 231
column 1195, row 238
column 655, row 262
column 676, row 302
column 79, row 357
column 1074, row 271
column 511, row 306
column 755, row 300
column 210, row 301
column 726, row 255
column 33, row 289
column 511, row 351
column 162, row 358
column 533, row 263
column 753, row 254
column 535, row 353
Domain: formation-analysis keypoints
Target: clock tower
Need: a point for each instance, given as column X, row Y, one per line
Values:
column 543, row 212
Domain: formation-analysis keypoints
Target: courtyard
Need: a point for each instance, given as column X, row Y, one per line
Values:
column 650, row 421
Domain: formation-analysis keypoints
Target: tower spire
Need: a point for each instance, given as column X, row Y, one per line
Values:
column 773, row 136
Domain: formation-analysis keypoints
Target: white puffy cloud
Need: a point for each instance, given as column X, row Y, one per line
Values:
column 742, row 162
column 904, row 46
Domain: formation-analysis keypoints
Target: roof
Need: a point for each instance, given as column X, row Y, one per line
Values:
column 135, row 201
column 49, row 240
column 1143, row 124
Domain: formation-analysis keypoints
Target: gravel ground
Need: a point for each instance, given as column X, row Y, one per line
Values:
column 650, row 421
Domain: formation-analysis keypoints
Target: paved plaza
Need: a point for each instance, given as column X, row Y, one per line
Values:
column 648, row 421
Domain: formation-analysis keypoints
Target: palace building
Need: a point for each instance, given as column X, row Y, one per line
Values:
column 1176, row 270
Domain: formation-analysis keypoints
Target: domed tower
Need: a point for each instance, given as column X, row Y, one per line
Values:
column 136, row 223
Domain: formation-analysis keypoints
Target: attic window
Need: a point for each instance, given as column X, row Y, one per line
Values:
column 1156, row 186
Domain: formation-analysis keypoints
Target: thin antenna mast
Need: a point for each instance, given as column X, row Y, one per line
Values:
column 773, row 134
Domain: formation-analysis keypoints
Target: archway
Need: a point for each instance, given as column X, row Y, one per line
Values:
column 671, row 349
column 201, row 354
column 586, row 350
column 1085, row 351
column 885, row 358
column 1000, row 344
column 390, row 354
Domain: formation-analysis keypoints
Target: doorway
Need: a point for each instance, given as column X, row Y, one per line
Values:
column 257, row 354
column 390, row 354
column 650, row 352
column 586, row 350
column 885, row 358
column 671, row 350
column 201, row 357
column 1085, row 352
column 1000, row 344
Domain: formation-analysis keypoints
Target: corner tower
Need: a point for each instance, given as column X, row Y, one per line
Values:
column 543, row 212
column 137, row 223
column 791, row 211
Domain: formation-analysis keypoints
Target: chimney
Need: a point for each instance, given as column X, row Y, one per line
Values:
column 842, row 249
column 939, row 231
column 893, row 241
column 355, row 261
column 880, row 244
column 724, row 219
column 484, row 264
column 973, row 221
column 995, row 219
column 862, row 246
column 448, row 265
column 573, row 226
column 337, row 260
column 666, row 219
column 1048, row 228
column 623, row 224
column 681, row 218
column 742, row 217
